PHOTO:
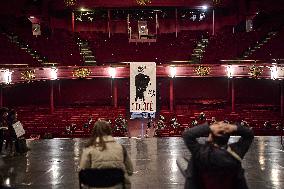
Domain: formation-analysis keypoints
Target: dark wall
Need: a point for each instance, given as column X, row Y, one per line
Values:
column 86, row 91
column 187, row 89
column 123, row 92
column 264, row 91
column 36, row 93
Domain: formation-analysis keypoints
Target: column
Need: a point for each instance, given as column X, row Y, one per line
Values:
column 213, row 22
column 171, row 94
column 59, row 92
column 108, row 22
column 229, row 90
column 176, row 15
column 281, row 99
column 73, row 22
column 1, row 96
column 51, row 98
column 114, row 93
column 233, row 95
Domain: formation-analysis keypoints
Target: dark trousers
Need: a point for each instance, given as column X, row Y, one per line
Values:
column 1, row 139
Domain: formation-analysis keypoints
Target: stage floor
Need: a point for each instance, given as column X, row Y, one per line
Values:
column 53, row 163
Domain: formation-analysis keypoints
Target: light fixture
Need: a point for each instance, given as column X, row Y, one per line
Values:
column 173, row 71
column 111, row 72
column 83, row 9
column 274, row 72
column 230, row 71
column 204, row 7
column 53, row 73
column 7, row 76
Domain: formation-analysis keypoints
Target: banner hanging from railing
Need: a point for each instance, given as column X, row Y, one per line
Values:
column 143, row 87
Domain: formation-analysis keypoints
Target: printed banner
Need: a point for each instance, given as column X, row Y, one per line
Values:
column 143, row 87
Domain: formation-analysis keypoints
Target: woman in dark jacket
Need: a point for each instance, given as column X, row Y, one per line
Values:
column 20, row 141
column 3, row 125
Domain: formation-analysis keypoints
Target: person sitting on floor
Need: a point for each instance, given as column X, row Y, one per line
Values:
column 102, row 151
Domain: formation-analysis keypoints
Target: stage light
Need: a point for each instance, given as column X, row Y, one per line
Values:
column 204, row 7
column 274, row 72
column 173, row 71
column 7, row 76
column 230, row 71
column 53, row 73
column 111, row 72
column 83, row 9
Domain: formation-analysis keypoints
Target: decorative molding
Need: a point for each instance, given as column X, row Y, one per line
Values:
column 69, row 3
column 81, row 72
column 255, row 71
column 143, row 2
column 202, row 70
column 28, row 75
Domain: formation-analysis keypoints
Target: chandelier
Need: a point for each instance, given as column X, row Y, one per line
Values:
column 217, row 2
column 69, row 3
column 143, row 2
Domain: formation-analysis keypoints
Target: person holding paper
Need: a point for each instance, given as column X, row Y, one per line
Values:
column 17, row 133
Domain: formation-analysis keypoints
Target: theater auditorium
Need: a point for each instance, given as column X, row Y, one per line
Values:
column 151, row 69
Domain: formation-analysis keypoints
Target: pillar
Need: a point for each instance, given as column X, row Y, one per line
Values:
column 171, row 94
column 281, row 98
column 1, row 96
column 51, row 97
column 233, row 95
column 114, row 93
column 73, row 22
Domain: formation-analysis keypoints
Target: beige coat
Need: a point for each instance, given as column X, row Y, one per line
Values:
column 111, row 157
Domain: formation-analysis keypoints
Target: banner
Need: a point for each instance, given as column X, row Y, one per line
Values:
column 143, row 87
column 19, row 130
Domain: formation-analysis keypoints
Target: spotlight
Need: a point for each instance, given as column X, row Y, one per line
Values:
column 111, row 72
column 53, row 73
column 83, row 9
column 230, row 71
column 274, row 72
column 204, row 7
column 173, row 71
column 7, row 76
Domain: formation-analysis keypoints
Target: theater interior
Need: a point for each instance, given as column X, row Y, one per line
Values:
column 66, row 62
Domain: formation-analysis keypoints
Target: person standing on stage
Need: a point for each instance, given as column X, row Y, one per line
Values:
column 3, row 126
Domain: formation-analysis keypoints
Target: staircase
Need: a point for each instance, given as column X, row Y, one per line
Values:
column 86, row 52
column 199, row 50
column 258, row 45
column 24, row 46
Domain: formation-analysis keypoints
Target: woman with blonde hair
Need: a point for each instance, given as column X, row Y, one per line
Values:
column 103, row 152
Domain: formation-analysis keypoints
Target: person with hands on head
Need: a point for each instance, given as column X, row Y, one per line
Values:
column 217, row 164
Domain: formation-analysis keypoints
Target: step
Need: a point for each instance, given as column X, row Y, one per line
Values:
column 90, row 61
column 87, row 51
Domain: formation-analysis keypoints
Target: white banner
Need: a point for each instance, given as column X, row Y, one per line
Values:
column 143, row 87
column 19, row 130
